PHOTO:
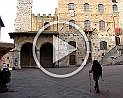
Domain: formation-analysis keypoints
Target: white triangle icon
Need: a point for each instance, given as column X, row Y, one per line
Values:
column 61, row 49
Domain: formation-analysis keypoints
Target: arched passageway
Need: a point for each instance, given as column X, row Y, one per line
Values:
column 46, row 55
column 26, row 58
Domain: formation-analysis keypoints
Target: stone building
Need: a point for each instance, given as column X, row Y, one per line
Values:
column 120, row 10
column 8, row 59
column 97, row 18
column 115, row 55
column 5, row 57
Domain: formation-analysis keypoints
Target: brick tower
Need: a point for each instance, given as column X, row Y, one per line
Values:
column 23, row 16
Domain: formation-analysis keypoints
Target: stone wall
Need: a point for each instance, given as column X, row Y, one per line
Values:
column 8, row 59
column 38, row 21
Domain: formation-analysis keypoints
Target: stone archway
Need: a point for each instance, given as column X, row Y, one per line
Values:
column 46, row 55
column 26, row 56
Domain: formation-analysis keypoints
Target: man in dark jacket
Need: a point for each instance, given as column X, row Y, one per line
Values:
column 96, row 70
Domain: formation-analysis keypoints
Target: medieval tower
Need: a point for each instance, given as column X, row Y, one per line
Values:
column 23, row 15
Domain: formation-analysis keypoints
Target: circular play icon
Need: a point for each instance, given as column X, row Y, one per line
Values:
column 64, row 48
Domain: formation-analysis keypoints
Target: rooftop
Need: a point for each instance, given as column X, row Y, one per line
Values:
column 5, row 47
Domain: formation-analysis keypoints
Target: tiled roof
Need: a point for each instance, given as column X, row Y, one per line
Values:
column 5, row 47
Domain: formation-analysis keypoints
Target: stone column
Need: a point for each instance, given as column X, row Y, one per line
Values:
column 19, row 60
column 16, row 59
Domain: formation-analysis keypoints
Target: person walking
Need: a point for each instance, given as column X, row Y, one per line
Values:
column 96, row 70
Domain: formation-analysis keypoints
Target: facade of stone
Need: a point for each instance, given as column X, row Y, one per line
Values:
column 8, row 59
column 88, row 10
column 97, row 18
column 120, row 10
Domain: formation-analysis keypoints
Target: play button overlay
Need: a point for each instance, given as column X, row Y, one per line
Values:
column 61, row 49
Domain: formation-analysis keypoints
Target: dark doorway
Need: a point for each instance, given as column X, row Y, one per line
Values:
column 72, row 57
column 89, row 58
column 117, row 39
column 46, row 55
column 27, row 59
column 72, row 60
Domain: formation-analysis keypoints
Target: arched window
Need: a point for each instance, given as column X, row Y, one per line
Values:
column 46, row 26
column 71, row 6
column 101, row 25
column 100, row 8
column 86, row 7
column 115, row 8
column 87, row 24
column 103, row 45
column 70, row 25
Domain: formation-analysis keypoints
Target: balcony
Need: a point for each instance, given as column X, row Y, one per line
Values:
column 88, row 30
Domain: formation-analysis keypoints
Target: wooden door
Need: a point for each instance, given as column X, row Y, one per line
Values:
column 72, row 60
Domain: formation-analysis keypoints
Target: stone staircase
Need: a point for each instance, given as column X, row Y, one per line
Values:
column 119, row 60
column 113, row 57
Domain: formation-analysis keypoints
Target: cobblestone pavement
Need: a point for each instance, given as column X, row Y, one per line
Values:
column 33, row 83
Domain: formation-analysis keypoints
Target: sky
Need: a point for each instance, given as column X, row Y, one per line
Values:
column 8, row 14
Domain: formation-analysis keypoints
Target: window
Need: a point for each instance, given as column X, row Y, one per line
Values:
column 117, row 40
column 101, row 8
column 115, row 8
column 86, row 7
column 70, row 25
column 87, row 24
column 121, row 51
column 72, row 43
column 71, row 6
column 113, row 0
column 47, row 24
column 103, row 45
column 101, row 25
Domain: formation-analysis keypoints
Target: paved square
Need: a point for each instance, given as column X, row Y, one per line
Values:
column 33, row 83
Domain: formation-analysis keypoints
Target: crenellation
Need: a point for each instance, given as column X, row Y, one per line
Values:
column 39, row 20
